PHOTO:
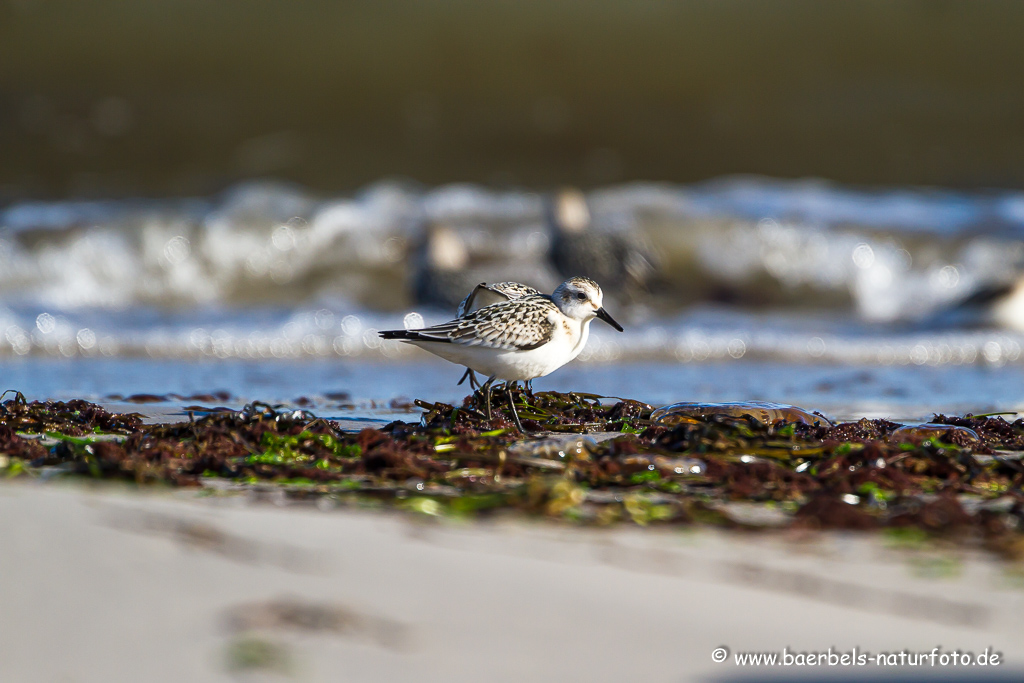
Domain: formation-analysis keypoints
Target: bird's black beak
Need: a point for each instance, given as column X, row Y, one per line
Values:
column 603, row 315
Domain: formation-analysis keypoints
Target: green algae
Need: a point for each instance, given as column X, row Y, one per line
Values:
column 303, row 447
column 252, row 653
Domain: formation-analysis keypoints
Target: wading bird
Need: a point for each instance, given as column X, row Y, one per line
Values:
column 517, row 340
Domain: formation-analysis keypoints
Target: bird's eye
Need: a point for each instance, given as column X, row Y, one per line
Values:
column 581, row 296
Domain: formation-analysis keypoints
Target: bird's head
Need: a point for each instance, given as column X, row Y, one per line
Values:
column 581, row 299
column 445, row 249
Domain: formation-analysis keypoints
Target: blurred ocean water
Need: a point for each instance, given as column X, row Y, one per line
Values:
column 747, row 267
column 795, row 275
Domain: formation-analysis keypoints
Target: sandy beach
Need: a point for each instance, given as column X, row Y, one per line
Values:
column 112, row 584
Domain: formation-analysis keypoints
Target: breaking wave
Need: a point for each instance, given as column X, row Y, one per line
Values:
column 746, row 268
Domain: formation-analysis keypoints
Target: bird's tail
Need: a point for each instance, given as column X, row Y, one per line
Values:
column 397, row 334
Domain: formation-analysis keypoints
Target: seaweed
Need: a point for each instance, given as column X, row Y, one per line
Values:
column 73, row 418
column 585, row 459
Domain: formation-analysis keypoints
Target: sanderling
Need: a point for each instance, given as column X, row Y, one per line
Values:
column 439, row 262
column 1000, row 304
column 517, row 340
column 484, row 295
column 618, row 259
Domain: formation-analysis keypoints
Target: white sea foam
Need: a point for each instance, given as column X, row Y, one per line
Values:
column 268, row 270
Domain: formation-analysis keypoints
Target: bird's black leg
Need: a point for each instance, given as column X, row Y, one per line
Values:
column 471, row 376
column 529, row 387
column 486, row 388
column 512, row 405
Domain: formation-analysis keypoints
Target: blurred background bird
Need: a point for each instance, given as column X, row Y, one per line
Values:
column 439, row 260
column 620, row 261
column 445, row 270
column 995, row 304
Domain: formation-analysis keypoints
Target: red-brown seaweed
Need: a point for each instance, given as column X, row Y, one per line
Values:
column 584, row 459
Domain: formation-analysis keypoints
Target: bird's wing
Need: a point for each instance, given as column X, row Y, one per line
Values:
column 513, row 290
column 467, row 304
column 519, row 325
column 484, row 295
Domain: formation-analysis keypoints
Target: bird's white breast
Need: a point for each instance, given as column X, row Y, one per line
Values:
column 567, row 340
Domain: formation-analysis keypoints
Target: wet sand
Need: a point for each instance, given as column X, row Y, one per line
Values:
column 110, row 584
